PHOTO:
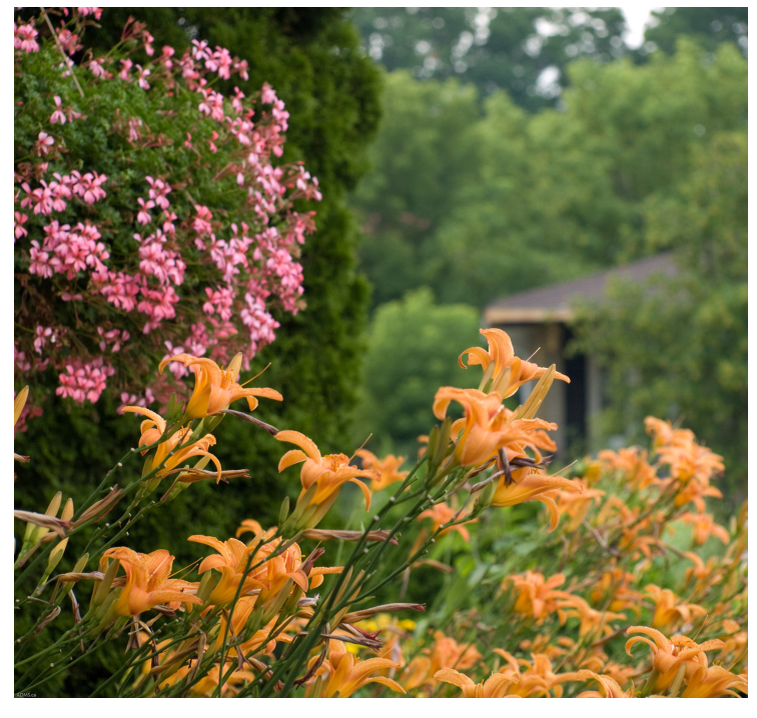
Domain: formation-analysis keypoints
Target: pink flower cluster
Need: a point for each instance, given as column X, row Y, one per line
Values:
column 84, row 380
column 246, row 258
column 23, row 37
column 68, row 251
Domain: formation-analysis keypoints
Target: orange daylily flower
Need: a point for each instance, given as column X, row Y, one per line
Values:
column 538, row 679
column 154, row 427
column 441, row 514
column 592, row 621
column 576, row 505
column 495, row 686
column 536, row 596
column 230, row 561
column 632, row 462
column 445, row 653
column 488, row 426
column 664, row 434
column 608, row 686
column 147, row 581
column 278, row 574
column 531, row 485
column 713, row 682
column 388, row 467
column 327, row 472
column 615, row 584
column 501, row 352
column 343, row 673
column 670, row 653
column 667, row 610
column 259, row 641
column 216, row 388
column 704, row 527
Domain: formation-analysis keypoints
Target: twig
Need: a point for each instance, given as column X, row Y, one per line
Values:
column 63, row 54
column 612, row 551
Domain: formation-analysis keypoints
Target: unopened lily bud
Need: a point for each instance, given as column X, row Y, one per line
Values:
column 34, row 532
column 235, row 366
column 208, row 582
column 18, row 404
column 57, row 553
column 101, row 507
column 102, row 590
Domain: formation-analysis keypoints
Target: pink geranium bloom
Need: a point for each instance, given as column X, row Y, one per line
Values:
column 58, row 115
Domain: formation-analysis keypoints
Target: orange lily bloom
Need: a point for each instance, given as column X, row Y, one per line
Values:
column 632, row 462
column 277, row 576
column 532, row 485
column 664, row 434
column 704, row 527
column 608, row 686
column 713, row 682
column 230, row 561
column 615, row 584
column 501, row 352
column 488, row 426
column 147, row 581
column 592, row 621
column 536, row 596
column 495, row 686
column 153, row 428
column 445, row 653
column 670, row 653
column 260, row 639
column 343, row 673
column 441, row 514
column 327, row 472
column 388, row 467
column 576, row 505
column 537, row 679
column 667, row 610
column 216, row 388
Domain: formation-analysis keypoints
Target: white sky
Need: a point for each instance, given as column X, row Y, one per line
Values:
column 637, row 16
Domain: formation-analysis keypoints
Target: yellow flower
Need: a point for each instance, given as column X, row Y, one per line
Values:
column 154, row 427
column 147, row 581
column 216, row 388
column 501, row 352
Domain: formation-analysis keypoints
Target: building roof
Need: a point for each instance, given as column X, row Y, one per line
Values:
column 554, row 303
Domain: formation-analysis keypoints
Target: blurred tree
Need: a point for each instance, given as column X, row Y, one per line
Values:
column 421, row 157
column 709, row 26
column 413, row 346
column 677, row 348
column 523, row 50
column 481, row 208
